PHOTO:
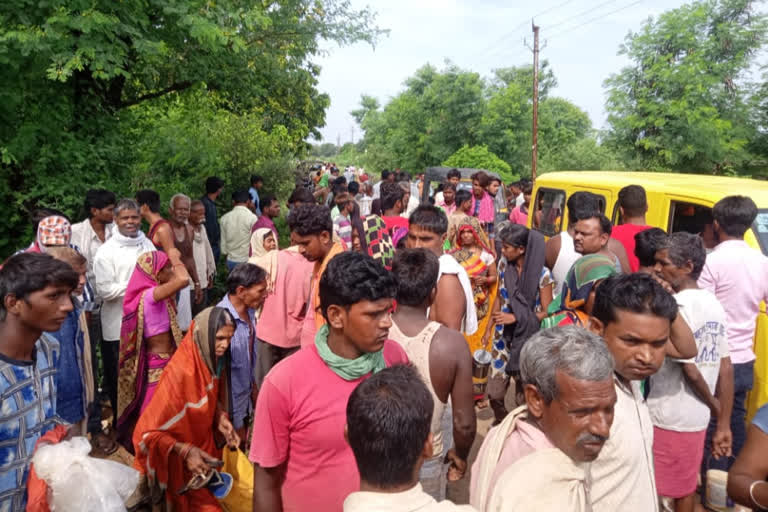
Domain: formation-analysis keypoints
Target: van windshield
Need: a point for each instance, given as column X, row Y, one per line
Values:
column 760, row 227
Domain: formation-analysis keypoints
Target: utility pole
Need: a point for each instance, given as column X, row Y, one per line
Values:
column 535, row 147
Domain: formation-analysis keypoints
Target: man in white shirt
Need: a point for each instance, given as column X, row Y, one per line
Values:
column 386, row 177
column 91, row 233
column 113, row 266
column 203, row 253
column 454, row 305
column 236, row 229
column 682, row 395
column 637, row 318
column 388, row 429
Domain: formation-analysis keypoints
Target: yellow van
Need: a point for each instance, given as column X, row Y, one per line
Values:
column 676, row 202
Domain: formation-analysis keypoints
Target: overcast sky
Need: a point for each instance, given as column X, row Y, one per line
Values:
column 582, row 41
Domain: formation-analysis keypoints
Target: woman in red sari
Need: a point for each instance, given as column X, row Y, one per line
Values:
column 181, row 434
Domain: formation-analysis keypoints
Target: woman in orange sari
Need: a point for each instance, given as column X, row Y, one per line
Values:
column 179, row 436
column 474, row 254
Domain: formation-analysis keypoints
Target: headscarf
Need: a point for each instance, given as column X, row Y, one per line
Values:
column 133, row 359
column 376, row 240
column 263, row 258
column 472, row 224
column 195, row 383
column 487, row 212
column 579, row 282
column 347, row 369
column 53, row 230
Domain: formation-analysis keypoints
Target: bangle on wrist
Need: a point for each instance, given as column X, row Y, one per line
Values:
column 752, row 495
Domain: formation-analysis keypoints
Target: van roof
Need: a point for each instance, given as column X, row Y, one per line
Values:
column 700, row 186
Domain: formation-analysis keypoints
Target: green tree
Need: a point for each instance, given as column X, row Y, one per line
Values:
column 478, row 157
column 681, row 104
column 76, row 74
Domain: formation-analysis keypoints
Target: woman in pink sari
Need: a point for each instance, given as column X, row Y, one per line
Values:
column 482, row 203
column 148, row 335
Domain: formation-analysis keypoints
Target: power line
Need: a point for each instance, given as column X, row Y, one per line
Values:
column 568, row 30
column 523, row 24
column 583, row 13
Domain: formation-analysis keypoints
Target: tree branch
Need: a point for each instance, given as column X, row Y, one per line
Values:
column 180, row 86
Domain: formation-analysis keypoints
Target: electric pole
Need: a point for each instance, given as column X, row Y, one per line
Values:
column 535, row 147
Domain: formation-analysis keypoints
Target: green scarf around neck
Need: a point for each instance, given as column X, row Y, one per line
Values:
column 348, row 369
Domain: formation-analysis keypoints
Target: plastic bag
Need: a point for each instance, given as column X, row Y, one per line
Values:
column 240, row 498
column 78, row 482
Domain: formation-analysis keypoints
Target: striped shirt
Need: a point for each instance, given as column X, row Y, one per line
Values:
column 27, row 411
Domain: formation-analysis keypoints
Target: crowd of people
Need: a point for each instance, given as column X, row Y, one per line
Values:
column 342, row 363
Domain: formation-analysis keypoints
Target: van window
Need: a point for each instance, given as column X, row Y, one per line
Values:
column 689, row 217
column 760, row 227
column 548, row 217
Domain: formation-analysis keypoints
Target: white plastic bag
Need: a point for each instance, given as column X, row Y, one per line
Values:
column 78, row 482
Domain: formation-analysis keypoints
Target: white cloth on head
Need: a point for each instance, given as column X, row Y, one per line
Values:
column 449, row 265
column 673, row 404
column 113, row 266
column 184, row 313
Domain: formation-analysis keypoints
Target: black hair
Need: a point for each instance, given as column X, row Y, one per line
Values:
column 255, row 178
column 581, row 205
column 245, row 275
column 735, row 214
column 98, row 198
column 453, row 173
column 515, row 235
column 310, row 219
column 26, row 273
column 150, row 198
column 391, row 193
column 39, row 214
column 353, row 188
column 265, row 200
column 430, row 218
column 606, row 226
column 389, row 416
column 647, row 242
column 683, row 247
column 213, row 184
column 482, row 178
column 341, row 180
column 352, row 277
column 633, row 200
column 385, row 174
column 416, row 273
column 637, row 293
column 241, row 196
column 495, row 178
column 462, row 196
column 448, row 185
column 527, row 187
column 301, row 195
column 225, row 318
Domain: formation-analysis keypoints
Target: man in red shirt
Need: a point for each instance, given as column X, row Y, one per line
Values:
column 633, row 206
column 392, row 205
column 302, row 462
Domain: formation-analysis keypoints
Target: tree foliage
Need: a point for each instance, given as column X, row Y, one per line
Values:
column 478, row 157
column 683, row 102
column 82, row 78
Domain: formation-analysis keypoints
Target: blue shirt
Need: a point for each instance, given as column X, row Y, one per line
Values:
column 28, row 398
column 255, row 198
column 70, row 390
column 761, row 419
column 243, row 351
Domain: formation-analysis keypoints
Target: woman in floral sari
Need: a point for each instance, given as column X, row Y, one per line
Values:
column 148, row 335
column 575, row 302
column 180, row 435
column 474, row 254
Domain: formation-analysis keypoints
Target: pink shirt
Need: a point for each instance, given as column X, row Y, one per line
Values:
column 300, row 419
column 156, row 319
column 738, row 276
column 518, row 216
column 284, row 309
column 524, row 440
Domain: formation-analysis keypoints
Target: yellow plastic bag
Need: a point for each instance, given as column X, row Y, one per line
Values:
column 240, row 498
